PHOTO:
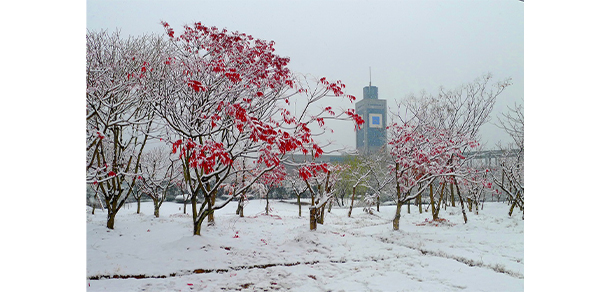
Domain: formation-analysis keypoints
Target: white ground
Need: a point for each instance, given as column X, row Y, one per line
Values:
column 279, row 253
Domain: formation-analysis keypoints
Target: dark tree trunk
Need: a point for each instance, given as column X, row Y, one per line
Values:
column 462, row 203
column 211, row 221
column 112, row 210
column 197, row 228
column 238, row 206
column 438, row 206
column 452, row 197
column 396, row 221
column 320, row 214
column 378, row 199
column 434, row 214
column 299, row 202
column 157, row 204
column 349, row 214
column 312, row 218
column 194, row 207
column 110, row 219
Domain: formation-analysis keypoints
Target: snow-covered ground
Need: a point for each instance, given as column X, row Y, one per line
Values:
column 279, row 253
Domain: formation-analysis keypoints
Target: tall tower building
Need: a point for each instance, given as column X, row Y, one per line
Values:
column 372, row 137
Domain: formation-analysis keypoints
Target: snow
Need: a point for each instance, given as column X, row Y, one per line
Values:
column 278, row 252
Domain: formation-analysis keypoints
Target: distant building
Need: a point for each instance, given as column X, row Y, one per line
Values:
column 372, row 137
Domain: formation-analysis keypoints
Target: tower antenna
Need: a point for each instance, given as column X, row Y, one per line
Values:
column 370, row 78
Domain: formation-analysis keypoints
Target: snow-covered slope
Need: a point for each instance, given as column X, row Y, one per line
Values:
column 277, row 252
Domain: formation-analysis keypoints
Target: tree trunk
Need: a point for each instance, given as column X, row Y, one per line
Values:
column 320, row 215
column 419, row 202
column 378, row 199
column 510, row 213
column 438, row 206
column 396, row 221
column 476, row 207
column 267, row 206
column 349, row 214
column 211, row 221
column 138, row 212
column 299, row 202
column 194, row 207
column 112, row 210
column 197, row 227
column 462, row 203
column 196, row 221
column 110, row 219
column 469, row 200
column 312, row 218
column 157, row 207
column 238, row 205
column 452, row 197
column 434, row 214
column 409, row 207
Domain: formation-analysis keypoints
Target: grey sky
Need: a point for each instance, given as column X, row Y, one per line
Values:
column 410, row 45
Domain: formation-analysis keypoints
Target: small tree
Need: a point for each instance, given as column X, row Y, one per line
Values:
column 159, row 173
column 320, row 179
column 357, row 174
column 271, row 179
column 378, row 182
column 510, row 176
column 431, row 134
column 298, row 186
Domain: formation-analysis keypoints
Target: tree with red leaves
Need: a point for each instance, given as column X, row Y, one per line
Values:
column 226, row 96
column 431, row 136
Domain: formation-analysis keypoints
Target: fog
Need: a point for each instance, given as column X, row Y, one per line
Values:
column 410, row 46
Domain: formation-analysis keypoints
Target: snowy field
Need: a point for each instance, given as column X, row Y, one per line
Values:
column 278, row 252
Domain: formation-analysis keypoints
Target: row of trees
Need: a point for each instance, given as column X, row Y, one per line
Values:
column 221, row 102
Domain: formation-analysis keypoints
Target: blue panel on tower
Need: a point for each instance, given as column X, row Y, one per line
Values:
column 376, row 121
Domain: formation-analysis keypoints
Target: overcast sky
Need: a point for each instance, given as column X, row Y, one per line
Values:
column 410, row 45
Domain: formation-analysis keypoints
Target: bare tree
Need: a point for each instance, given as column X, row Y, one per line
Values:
column 298, row 186
column 119, row 116
column 510, row 176
column 159, row 172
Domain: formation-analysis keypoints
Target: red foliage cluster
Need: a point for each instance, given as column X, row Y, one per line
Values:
column 204, row 156
column 426, row 151
column 196, row 85
column 312, row 169
column 242, row 79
